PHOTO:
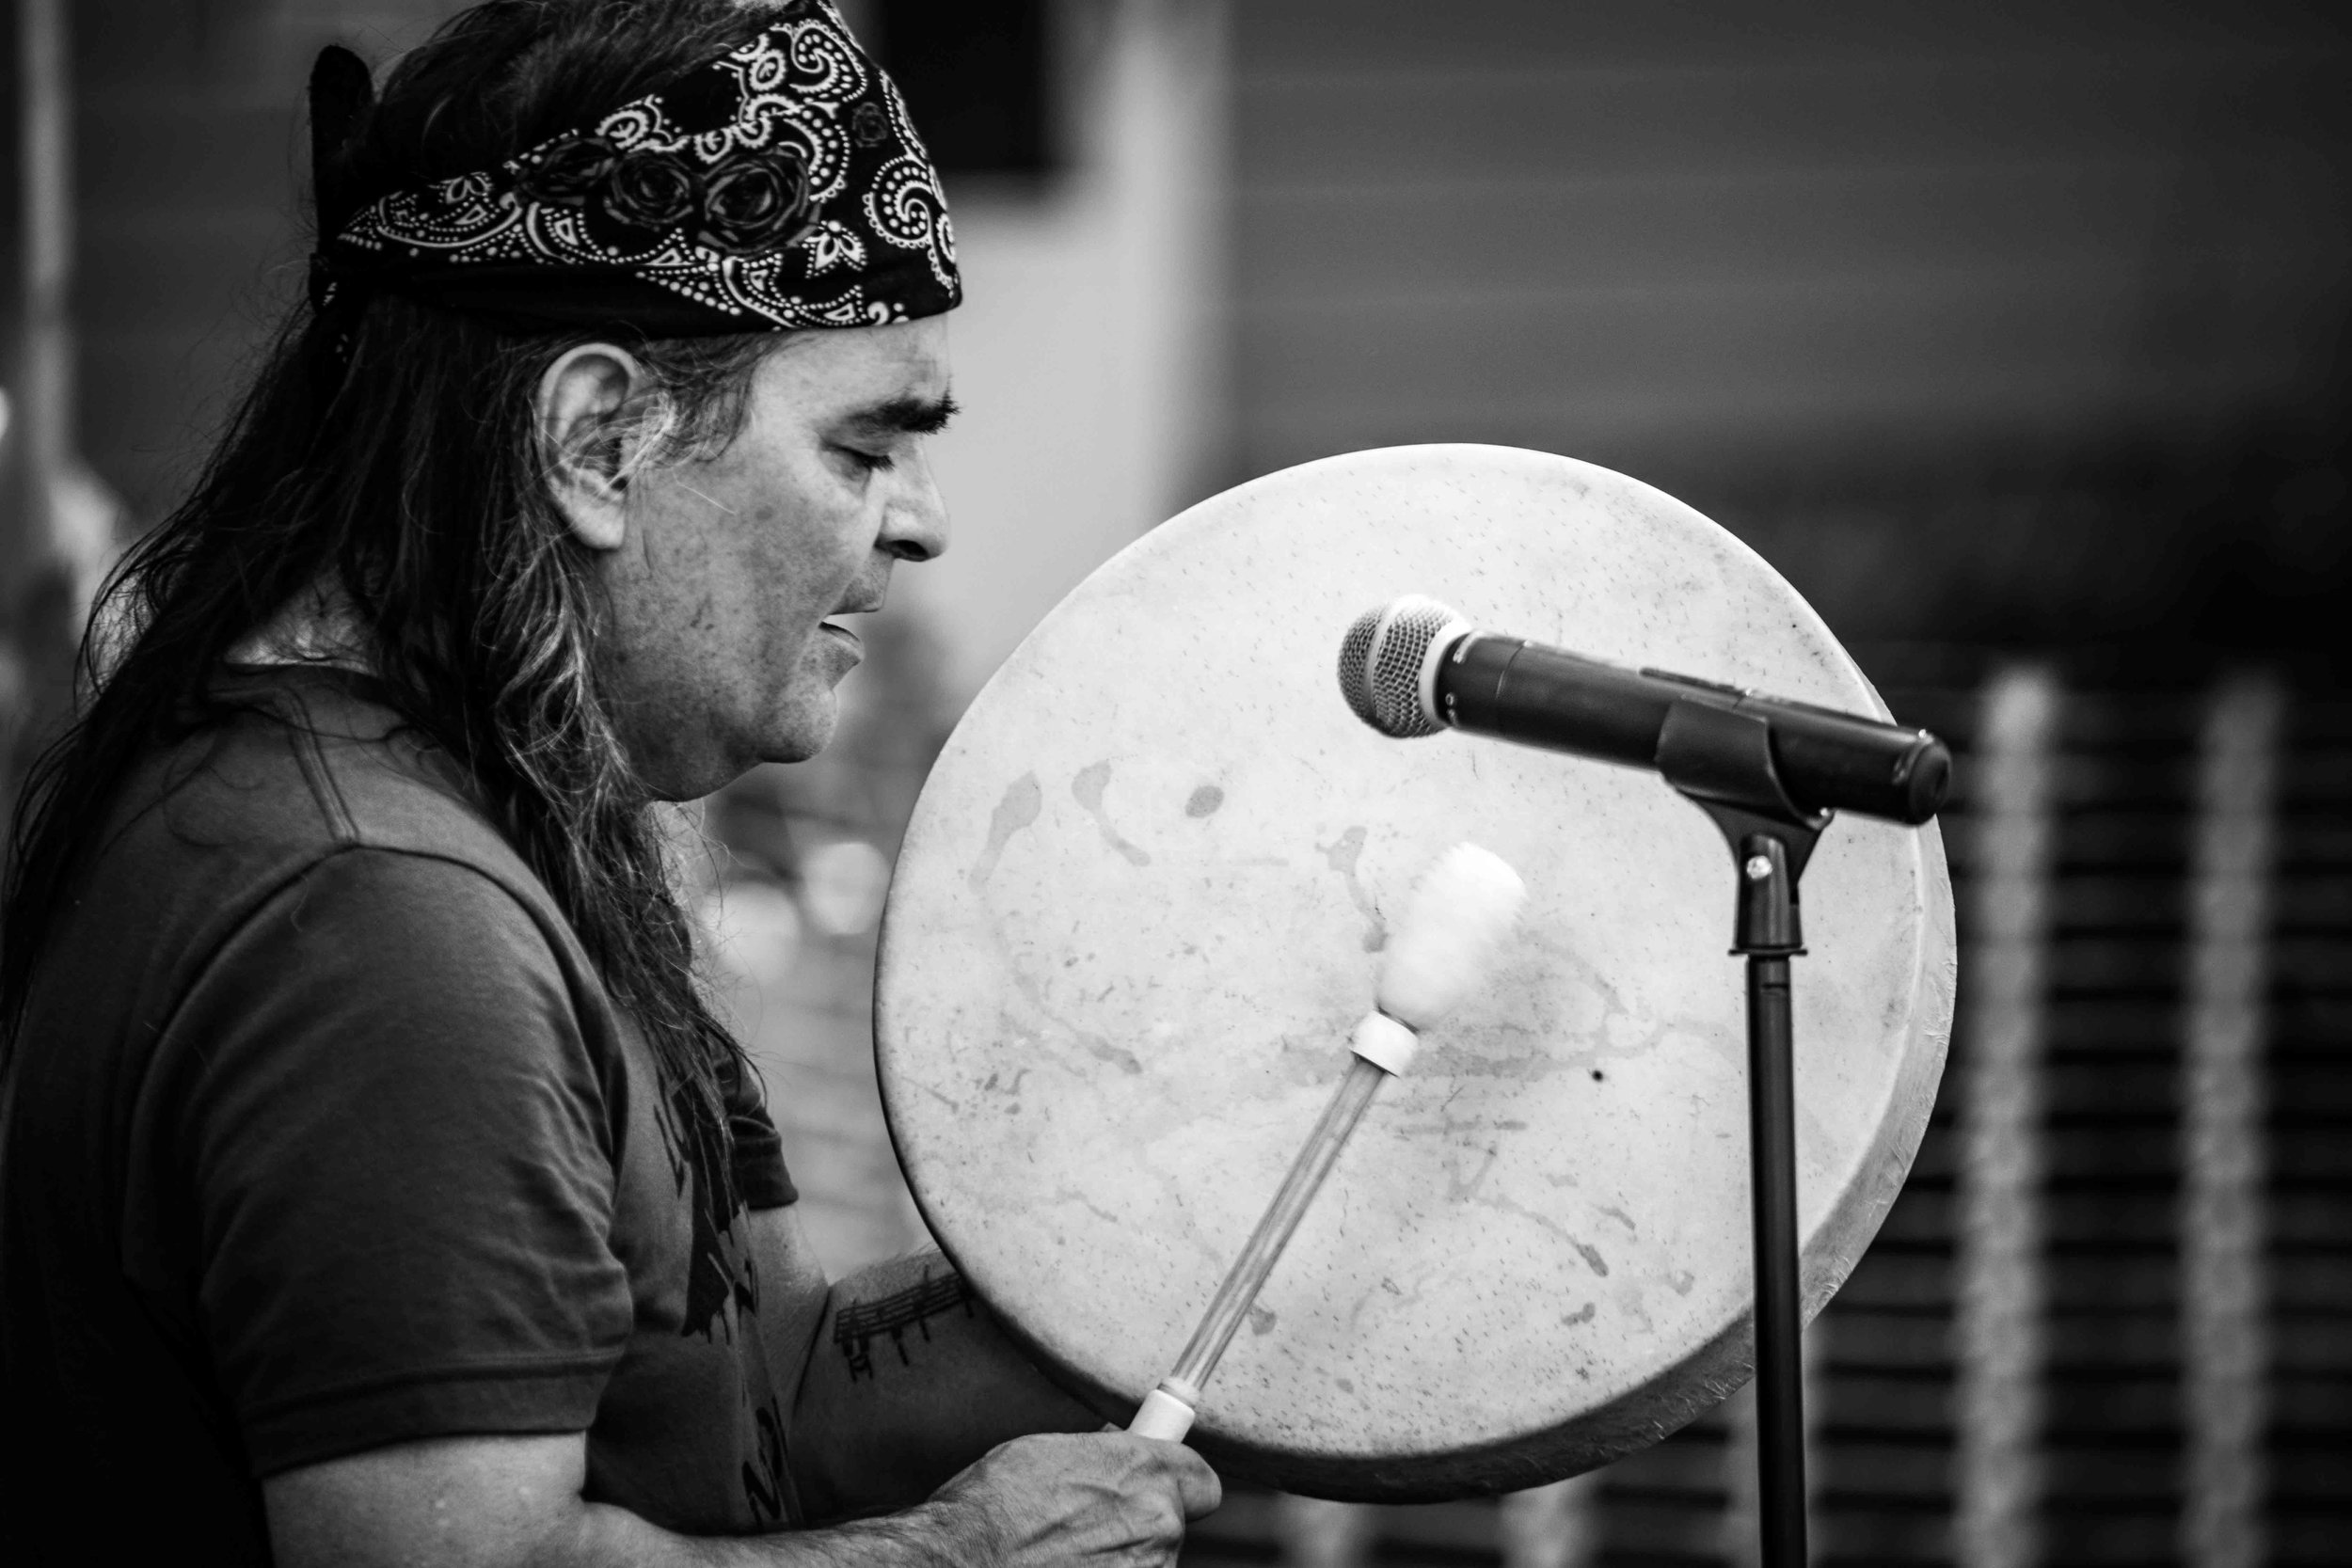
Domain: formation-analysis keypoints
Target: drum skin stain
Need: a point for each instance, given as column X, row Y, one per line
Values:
column 1019, row 807
column 1068, row 1194
column 1204, row 801
column 1591, row 1254
column 1583, row 1314
column 1261, row 1320
column 1342, row 857
column 1458, row 1189
column 1103, row 1050
column 1086, row 789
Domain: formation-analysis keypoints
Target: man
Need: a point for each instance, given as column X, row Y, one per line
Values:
column 374, row 1184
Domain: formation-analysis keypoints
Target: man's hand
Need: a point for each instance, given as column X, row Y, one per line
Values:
column 513, row 1502
column 1100, row 1498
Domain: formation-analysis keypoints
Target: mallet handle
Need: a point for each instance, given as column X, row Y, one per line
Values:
column 1233, row 1297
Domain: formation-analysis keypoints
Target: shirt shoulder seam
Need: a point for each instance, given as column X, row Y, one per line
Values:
column 320, row 776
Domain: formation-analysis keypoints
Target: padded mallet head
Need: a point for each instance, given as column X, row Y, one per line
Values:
column 1459, row 912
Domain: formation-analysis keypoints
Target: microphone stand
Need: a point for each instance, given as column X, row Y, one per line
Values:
column 1722, row 762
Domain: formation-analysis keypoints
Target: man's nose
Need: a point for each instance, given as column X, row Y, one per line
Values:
column 915, row 526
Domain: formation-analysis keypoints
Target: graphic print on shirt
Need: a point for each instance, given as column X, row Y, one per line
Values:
column 703, row 1166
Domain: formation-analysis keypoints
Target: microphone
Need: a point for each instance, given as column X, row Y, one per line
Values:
column 1414, row 667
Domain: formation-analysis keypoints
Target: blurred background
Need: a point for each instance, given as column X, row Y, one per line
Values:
column 2012, row 333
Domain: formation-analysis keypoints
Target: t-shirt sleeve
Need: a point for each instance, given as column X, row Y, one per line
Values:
column 403, row 1149
column 760, row 1177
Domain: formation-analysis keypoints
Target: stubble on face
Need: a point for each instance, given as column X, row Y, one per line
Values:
column 716, row 655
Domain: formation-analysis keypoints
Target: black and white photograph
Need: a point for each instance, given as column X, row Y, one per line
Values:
column 1176, row 783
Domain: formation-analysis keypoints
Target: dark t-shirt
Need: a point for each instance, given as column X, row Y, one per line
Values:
column 322, row 1134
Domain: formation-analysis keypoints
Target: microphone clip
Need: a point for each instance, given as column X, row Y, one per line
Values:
column 1720, row 760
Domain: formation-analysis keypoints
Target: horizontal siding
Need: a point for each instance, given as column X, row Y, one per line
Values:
column 1697, row 241
column 192, row 166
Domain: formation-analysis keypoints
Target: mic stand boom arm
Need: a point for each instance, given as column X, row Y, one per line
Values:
column 1720, row 760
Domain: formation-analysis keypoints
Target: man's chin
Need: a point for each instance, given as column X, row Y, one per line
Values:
column 806, row 730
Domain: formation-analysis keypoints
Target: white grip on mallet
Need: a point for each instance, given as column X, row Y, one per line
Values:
column 1166, row 1412
column 1385, row 1043
column 1458, row 915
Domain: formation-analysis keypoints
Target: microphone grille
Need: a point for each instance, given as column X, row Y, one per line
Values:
column 1355, row 667
column 1384, row 664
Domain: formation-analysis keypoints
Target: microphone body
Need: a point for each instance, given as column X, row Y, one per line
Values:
column 1524, row 691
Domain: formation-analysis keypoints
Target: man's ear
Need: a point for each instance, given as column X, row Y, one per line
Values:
column 582, row 408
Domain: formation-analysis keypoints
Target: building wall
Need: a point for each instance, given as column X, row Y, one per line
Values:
column 1091, row 354
column 1675, row 237
column 1786, row 262
column 192, row 165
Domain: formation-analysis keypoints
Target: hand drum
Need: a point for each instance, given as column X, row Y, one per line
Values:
column 1139, row 907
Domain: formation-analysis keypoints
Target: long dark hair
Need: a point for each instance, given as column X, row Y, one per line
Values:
column 400, row 467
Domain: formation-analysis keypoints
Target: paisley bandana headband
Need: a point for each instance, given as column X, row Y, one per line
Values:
column 781, row 186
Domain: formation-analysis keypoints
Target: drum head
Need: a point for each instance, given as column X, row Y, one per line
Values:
column 1140, row 905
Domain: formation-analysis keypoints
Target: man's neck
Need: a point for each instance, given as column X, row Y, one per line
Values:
column 316, row 627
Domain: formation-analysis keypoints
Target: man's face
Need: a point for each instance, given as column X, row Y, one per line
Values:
column 724, row 644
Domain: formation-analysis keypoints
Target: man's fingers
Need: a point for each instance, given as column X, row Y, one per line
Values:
column 1197, row 1490
column 1066, row 1498
column 1197, row 1486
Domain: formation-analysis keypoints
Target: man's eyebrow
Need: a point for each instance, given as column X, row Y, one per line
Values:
column 907, row 415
